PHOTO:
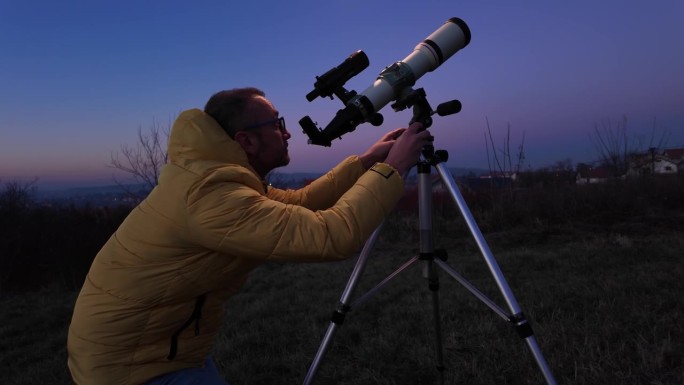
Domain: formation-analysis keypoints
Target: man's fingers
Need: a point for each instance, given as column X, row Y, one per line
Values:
column 395, row 133
column 416, row 127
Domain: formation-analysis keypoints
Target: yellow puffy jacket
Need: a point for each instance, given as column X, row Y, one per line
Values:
column 154, row 297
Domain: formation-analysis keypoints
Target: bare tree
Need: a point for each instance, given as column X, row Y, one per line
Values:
column 564, row 165
column 615, row 147
column 505, row 163
column 15, row 199
column 657, row 142
column 16, row 195
column 144, row 160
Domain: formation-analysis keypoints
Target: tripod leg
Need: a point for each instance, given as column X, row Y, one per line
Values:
column 343, row 307
column 433, row 284
column 517, row 319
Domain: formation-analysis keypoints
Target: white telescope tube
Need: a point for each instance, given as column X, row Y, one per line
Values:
column 429, row 54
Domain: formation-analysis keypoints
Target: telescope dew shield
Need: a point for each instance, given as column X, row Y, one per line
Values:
column 429, row 54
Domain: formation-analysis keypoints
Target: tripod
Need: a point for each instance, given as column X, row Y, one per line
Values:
column 432, row 260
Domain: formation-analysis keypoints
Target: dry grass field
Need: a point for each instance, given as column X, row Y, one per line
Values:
column 603, row 291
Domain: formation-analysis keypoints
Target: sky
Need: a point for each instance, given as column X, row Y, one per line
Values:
column 78, row 79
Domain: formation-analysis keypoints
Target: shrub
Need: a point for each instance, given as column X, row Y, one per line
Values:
column 43, row 246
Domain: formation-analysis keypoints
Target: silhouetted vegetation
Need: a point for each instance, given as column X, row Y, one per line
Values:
column 47, row 246
column 54, row 245
column 552, row 199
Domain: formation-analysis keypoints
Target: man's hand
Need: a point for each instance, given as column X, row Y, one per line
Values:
column 405, row 150
column 378, row 151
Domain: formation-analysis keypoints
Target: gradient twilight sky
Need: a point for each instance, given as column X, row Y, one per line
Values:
column 78, row 78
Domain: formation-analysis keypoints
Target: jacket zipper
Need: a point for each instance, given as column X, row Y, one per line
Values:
column 195, row 317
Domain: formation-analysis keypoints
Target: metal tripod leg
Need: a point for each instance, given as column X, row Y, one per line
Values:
column 433, row 284
column 343, row 307
column 517, row 318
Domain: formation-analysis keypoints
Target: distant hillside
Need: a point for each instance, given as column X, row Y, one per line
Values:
column 278, row 179
column 88, row 191
column 460, row 171
column 298, row 179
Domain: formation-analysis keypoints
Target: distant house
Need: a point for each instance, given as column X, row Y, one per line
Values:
column 676, row 154
column 663, row 165
column 499, row 175
column 587, row 174
column 497, row 179
column 670, row 161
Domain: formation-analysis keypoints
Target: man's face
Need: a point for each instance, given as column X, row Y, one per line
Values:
column 270, row 136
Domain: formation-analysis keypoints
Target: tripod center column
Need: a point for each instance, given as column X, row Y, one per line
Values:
column 425, row 209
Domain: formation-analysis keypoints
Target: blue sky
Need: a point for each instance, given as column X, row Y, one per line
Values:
column 78, row 78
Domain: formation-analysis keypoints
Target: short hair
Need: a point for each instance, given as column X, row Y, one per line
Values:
column 228, row 107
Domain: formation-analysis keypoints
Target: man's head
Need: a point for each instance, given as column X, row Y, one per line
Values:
column 252, row 121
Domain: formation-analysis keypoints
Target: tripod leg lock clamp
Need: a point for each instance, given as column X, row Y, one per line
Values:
column 339, row 314
column 430, row 256
column 523, row 327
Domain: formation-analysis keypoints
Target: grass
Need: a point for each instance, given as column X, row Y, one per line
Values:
column 605, row 303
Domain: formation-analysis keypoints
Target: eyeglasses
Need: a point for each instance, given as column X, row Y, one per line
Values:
column 280, row 122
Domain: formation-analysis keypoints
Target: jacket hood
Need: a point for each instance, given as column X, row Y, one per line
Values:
column 197, row 136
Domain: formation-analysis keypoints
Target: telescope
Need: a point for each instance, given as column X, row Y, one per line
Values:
column 394, row 83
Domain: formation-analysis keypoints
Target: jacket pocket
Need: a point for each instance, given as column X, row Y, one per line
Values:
column 195, row 317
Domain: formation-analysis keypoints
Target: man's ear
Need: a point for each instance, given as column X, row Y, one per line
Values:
column 248, row 141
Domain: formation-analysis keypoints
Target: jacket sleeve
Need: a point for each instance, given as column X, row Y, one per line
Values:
column 324, row 191
column 238, row 221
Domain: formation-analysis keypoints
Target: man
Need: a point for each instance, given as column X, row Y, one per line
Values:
column 152, row 304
